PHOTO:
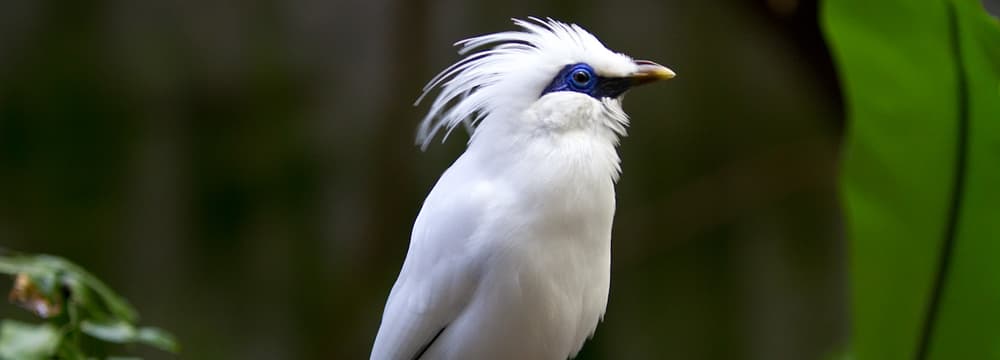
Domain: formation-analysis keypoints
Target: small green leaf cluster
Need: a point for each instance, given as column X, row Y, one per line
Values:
column 80, row 313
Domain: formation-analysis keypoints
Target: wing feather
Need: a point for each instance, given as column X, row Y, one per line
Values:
column 439, row 274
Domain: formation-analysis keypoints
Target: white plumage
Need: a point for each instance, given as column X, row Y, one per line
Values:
column 510, row 256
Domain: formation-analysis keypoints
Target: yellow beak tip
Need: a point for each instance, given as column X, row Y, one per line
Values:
column 649, row 71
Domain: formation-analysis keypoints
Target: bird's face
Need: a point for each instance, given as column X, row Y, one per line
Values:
column 588, row 93
column 551, row 76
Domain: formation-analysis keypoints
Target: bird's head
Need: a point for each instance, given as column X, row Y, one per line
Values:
column 559, row 73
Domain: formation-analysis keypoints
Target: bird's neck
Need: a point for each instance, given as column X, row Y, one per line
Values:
column 577, row 154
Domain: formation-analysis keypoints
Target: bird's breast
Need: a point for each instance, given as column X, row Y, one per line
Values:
column 549, row 271
column 544, row 243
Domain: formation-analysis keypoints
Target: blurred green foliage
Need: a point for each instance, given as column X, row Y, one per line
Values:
column 74, row 303
column 920, row 171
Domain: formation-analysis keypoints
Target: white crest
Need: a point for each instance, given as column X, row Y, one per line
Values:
column 511, row 74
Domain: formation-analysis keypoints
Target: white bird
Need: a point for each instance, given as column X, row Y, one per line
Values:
column 510, row 256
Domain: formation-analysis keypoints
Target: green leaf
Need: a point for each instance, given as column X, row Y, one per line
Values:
column 158, row 338
column 51, row 271
column 69, row 350
column 28, row 341
column 117, row 332
column 920, row 169
column 122, row 333
column 77, row 278
column 91, row 307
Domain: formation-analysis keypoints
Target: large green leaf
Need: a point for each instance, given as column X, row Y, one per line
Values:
column 920, row 170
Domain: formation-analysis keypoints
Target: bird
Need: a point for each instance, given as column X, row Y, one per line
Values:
column 510, row 254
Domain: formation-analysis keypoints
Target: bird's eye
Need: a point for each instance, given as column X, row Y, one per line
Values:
column 578, row 77
column 581, row 78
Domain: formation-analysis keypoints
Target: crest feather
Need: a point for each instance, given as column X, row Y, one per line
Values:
column 503, row 76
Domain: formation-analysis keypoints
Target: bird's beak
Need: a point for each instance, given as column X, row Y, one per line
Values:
column 649, row 72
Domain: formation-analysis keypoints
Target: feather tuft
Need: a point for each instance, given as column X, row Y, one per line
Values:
column 507, row 76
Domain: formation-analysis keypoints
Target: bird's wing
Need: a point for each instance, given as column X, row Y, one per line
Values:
column 440, row 271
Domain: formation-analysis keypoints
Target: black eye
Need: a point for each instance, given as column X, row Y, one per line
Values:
column 581, row 77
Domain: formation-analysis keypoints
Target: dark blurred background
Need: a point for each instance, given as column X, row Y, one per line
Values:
column 244, row 171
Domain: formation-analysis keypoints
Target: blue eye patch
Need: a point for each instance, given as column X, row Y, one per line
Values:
column 581, row 78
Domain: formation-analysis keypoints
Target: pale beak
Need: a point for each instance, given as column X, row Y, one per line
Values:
column 649, row 72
